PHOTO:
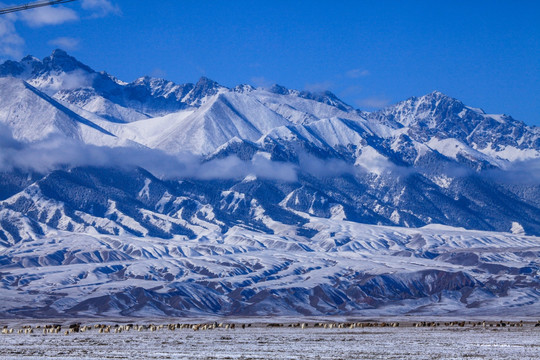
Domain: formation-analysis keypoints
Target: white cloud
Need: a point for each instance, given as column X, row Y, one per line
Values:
column 11, row 44
column 351, row 91
column 357, row 73
column 158, row 73
column 71, row 80
column 48, row 16
column 57, row 152
column 319, row 87
column 77, row 79
column 261, row 81
column 101, row 8
column 373, row 102
column 65, row 43
column 518, row 172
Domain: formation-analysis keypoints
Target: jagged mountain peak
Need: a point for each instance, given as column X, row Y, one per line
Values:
column 436, row 114
column 243, row 88
column 59, row 53
column 434, row 97
column 326, row 97
column 11, row 68
column 439, row 101
column 143, row 80
column 203, row 89
column 437, row 107
column 429, row 111
column 30, row 67
column 60, row 60
column 27, row 66
column 439, row 116
column 65, row 76
column 206, row 82
column 206, row 86
column 437, row 94
column 30, row 59
column 151, row 82
column 278, row 89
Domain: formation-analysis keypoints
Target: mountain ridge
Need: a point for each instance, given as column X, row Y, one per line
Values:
column 151, row 197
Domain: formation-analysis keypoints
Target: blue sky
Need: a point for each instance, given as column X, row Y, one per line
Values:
column 370, row 53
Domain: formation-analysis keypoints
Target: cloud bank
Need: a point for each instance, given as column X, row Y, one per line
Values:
column 66, row 43
column 57, row 152
column 374, row 102
column 525, row 172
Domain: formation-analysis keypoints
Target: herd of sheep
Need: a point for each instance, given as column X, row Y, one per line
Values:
column 118, row 328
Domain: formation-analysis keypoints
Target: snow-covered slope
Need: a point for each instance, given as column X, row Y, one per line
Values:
column 32, row 115
column 346, row 268
column 263, row 201
column 223, row 117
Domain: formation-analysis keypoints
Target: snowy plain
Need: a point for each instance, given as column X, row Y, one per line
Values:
column 283, row 343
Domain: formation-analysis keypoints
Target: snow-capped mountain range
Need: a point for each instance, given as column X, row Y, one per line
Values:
column 154, row 198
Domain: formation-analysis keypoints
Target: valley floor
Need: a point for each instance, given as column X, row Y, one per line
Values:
column 261, row 342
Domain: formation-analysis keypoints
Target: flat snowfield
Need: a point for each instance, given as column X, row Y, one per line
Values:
column 281, row 343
